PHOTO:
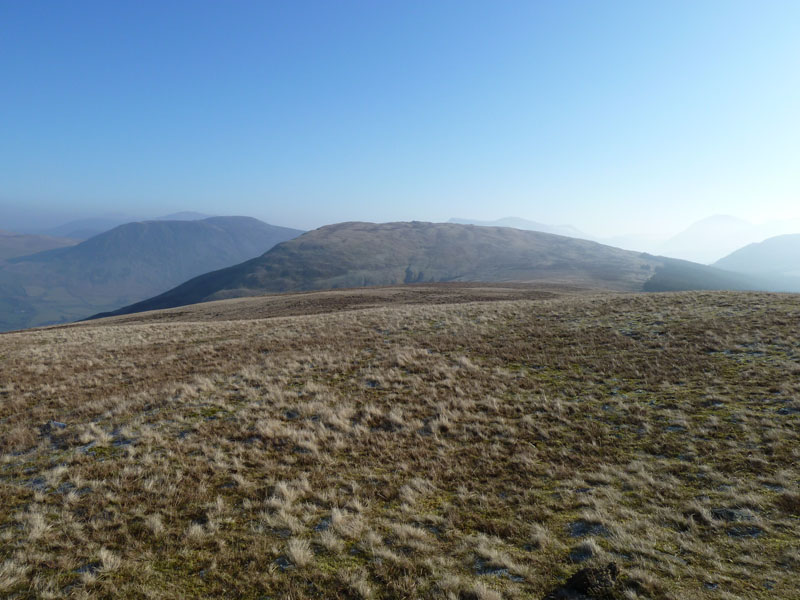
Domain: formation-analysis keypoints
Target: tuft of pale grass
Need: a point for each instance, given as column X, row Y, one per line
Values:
column 109, row 560
column 12, row 573
column 299, row 552
column 330, row 541
column 155, row 524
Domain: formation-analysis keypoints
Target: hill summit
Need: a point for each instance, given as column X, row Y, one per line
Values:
column 129, row 263
column 357, row 254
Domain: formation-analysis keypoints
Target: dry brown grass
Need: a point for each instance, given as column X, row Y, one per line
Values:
column 474, row 450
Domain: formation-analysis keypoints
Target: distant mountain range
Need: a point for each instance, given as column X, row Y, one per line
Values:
column 21, row 244
column 368, row 254
column 83, row 229
column 704, row 241
column 711, row 239
column 775, row 257
column 126, row 264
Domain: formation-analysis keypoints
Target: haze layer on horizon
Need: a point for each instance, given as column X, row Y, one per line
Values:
column 614, row 117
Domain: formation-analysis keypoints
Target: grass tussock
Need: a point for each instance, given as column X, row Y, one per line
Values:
column 475, row 450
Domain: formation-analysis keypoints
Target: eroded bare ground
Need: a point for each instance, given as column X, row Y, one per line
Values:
column 478, row 450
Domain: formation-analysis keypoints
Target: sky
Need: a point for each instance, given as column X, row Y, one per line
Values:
column 614, row 117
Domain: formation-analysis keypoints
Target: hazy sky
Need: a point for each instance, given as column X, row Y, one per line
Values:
column 611, row 116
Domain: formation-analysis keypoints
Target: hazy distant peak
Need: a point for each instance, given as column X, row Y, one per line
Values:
column 721, row 221
column 776, row 256
column 710, row 239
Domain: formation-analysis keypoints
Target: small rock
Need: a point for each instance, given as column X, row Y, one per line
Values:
column 740, row 531
column 90, row 568
column 595, row 582
column 732, row 515
column 322, row 525
column 51, row 426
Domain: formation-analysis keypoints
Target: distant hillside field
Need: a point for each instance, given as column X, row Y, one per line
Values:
column 392, row 444
column 369, row 254
column 129, row 263
column 13, row 245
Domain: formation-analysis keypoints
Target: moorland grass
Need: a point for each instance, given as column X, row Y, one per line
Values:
column 481, row 450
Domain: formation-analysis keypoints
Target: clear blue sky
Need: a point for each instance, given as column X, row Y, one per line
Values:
column 612, row 116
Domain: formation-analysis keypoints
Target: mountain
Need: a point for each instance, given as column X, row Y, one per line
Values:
column 186, row 215
column 775, row 257
column 633, row 241
column 124, row 265
column 709, row 239
column 368, row 254
column 83, row 229
column 519, row 223
column 21, row 244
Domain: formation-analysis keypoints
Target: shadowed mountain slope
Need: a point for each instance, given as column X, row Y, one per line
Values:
column 369, row 254
column 124, row 265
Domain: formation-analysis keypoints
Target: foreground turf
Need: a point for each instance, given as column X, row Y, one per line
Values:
column 480, row 450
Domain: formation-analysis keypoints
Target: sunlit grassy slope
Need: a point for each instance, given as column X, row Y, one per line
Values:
column 354, row 254
column 472, row 450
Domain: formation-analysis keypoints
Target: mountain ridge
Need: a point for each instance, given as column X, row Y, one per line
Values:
column 778, row 256
column 527, row 225
column 126, row 264
column 358, row 254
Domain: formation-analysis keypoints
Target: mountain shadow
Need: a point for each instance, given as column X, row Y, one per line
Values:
column 127, row 264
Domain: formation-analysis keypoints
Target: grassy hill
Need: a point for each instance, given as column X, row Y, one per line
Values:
column 128, row 263
column 368, row 254
column 21, row 244
column 484, row 449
